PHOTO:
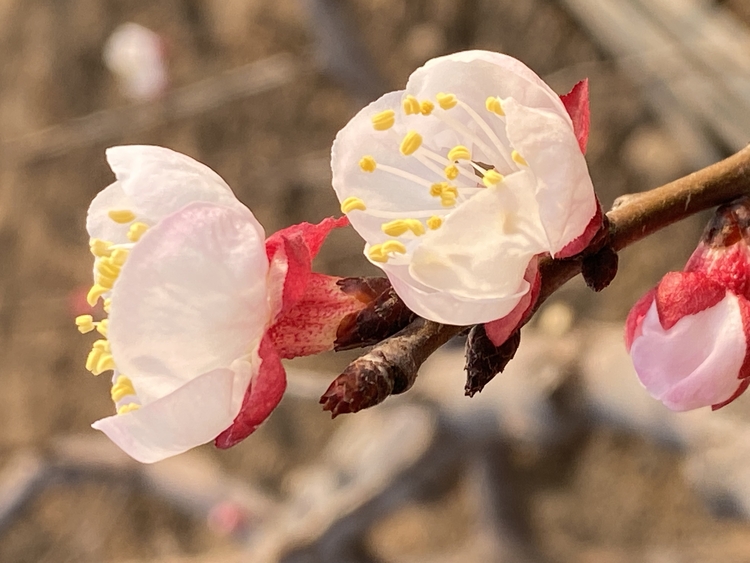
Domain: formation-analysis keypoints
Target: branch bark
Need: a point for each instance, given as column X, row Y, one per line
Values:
column 391, row 366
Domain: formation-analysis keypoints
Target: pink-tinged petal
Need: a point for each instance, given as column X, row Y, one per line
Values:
column 635, row 318
column 564, row 191
column 291, row 252
column 190, row 416
column 576, row 103
column 579, row 244
column 685, row 293
column 191, row 298
column 310, row 326
column 697, row 361
column 261, row 398
column 159, row 181
column 498, row 331
column 98, row 223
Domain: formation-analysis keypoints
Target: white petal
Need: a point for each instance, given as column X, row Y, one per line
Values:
column 696, row 362
column 564, row 189
column 475, row 75
column 191, row 297
column 192, row 415
column 98, row 223
column 444, row 307
column 160, row 181
column 484, row 246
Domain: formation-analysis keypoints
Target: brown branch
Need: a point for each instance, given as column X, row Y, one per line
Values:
column 391, row 367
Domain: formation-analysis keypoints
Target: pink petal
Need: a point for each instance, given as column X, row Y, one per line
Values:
column 576, row 102
column 310, row 326
column 291, row 251
column 744, row 375
column 263, row 394
column 500, row 330
column 635, row 318
column 685, row 293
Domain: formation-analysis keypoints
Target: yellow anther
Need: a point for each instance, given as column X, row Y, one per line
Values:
column 104, row 363
column 106, row 282
column 434, row 222
column 426, row 107
column 100, row 248
column 410, row 105
column 412, row 141
column 398, row 227
column 367, row 163
column 376, row 253
column 384, row 120
column 451, row 172
column 494, row 105
column 394, row 246
column 379, row 252
column 352, row 203
column 101, row 345
column 119, row 255
column 107, row 303
column 136, row 230
column 518, row 159
column 85, row 323
column 437, row 189
column 102, row 326
column 106, row 268
column 450, row 191
column 92, row 359
column 95, row 293
column 121, row 215
column 446, row 101
column 130, row 407
column 492, row 177
column 459, row 152
column 447, row 200
column 122, row 388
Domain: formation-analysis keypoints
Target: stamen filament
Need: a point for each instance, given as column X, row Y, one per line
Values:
column 501, row 148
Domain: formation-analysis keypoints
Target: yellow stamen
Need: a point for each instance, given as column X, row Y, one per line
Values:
column 446, row 101
column 107, row 303
column 122, row 388
column 130, row 407
column 376, row 254
column 459, row 152
column 426, row 107
column 379, row 252
column 398, row 227
column 447, row 200
column 106, row 282
column 121, row 215
column 119, row 255
column 410, row 105
column 494, row 105
column 92, row 359
column 451, row 172
column 518, row 159
column 434, row 222
column 102, row 345
column 104, row 363
column 102, row 326
column 384, row 120
column 437, row 189
column 492, row 177
column 136, row 230
column 450, row 190
column 95, row 293
column 100, row 248
column 105, row 267
column 85, row 323
column 352, row 203
column 412, row 141
column 367, row 163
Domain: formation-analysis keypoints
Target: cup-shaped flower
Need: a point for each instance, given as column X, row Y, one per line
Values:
column 689, row 337
column 201, row 307
column 459, row 182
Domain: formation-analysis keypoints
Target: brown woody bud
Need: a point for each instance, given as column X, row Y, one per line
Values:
column 484, row 360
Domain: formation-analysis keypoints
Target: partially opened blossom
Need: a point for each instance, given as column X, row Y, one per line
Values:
column 689, row 337
column 136, row 56
column 201, row 307
column 462, row 180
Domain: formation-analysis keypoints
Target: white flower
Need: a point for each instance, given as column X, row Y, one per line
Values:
column 461, row 180
column 201, row 307
column 135, row 55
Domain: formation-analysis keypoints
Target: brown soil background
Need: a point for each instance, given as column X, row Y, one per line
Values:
column 606, row 492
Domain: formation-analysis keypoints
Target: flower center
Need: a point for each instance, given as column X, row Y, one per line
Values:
column 452, row 176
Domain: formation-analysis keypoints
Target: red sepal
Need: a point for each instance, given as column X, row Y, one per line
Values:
column 685, row 293
column 635, row 318
column 576, row 102
column 262, row 396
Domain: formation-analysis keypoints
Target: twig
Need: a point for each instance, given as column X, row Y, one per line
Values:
column 391, row 367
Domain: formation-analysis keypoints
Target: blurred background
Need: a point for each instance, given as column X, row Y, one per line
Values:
column 563, row 458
